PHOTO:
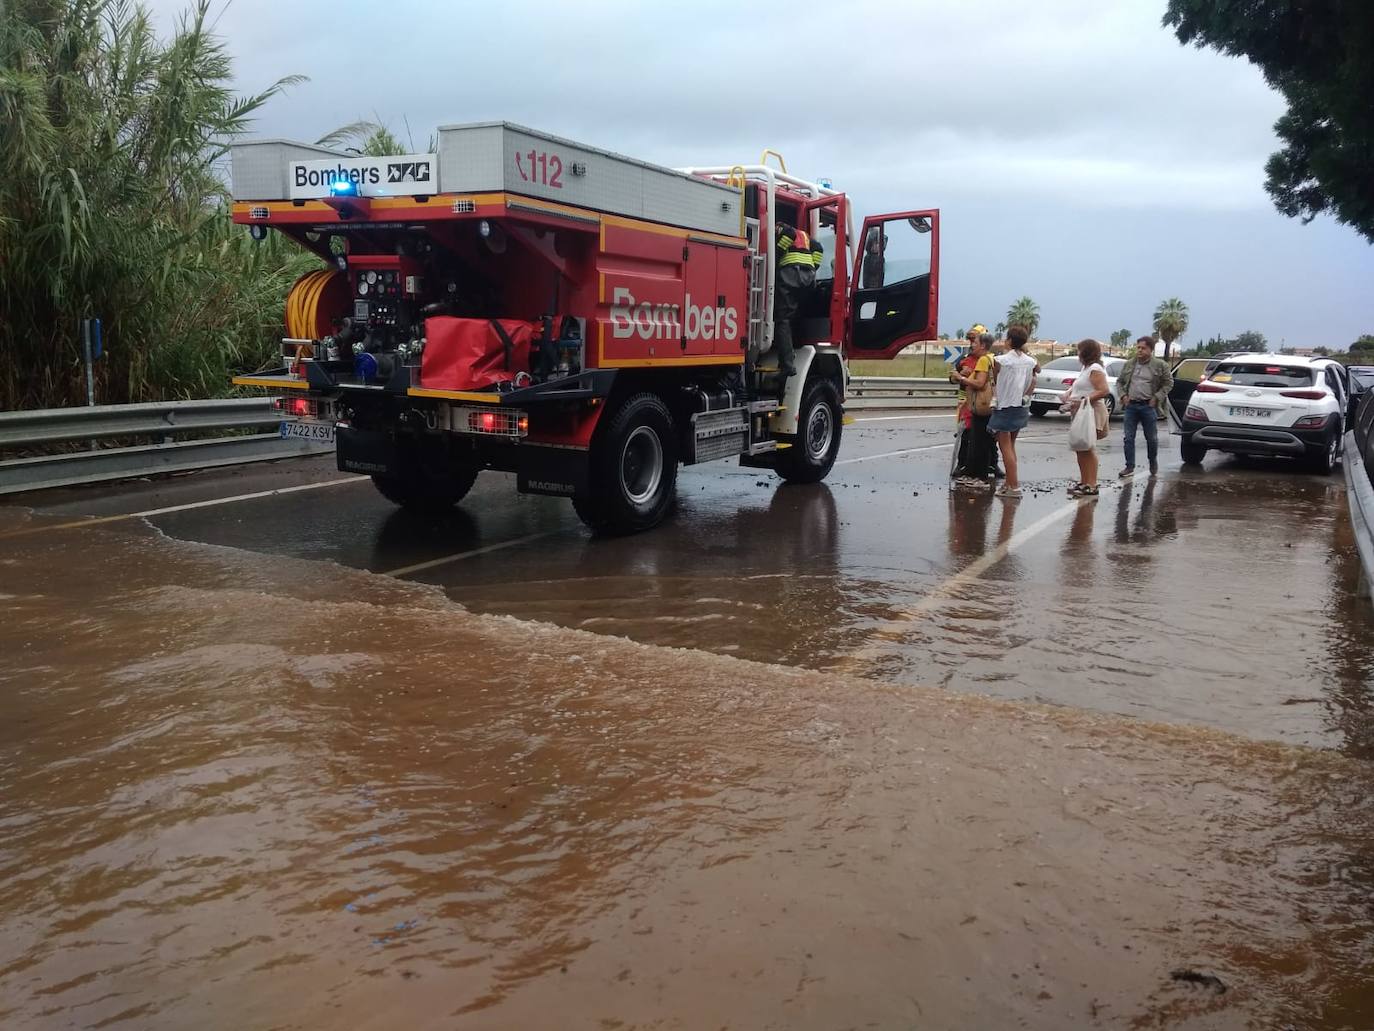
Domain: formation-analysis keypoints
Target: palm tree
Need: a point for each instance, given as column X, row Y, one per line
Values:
column 1121, row 337
column 1024, row 312
column 1171, row 321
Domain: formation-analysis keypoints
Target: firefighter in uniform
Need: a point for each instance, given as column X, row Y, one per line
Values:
column 798, row 257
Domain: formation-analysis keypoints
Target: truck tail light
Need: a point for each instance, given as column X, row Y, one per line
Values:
column 1306, row 395
column 297, row 407
column 1211, row 388
column 1195, row 413
column 493, row 422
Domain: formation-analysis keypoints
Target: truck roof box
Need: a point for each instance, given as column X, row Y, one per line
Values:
column 500, row 157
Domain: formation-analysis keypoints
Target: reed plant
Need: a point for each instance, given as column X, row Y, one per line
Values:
column 113, row 145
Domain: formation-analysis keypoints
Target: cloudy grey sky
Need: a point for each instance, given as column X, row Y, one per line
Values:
column 1077, row 152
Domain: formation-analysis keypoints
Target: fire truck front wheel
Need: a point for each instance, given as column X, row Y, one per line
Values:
column 819, row 424
column 422, row 490
column 633, row 476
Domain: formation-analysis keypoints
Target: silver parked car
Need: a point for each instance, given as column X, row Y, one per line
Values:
column 1058, row 376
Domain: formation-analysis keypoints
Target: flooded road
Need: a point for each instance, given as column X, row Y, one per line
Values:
column 690, row 778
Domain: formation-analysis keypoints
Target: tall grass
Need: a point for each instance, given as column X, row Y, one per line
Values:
column 112, row 204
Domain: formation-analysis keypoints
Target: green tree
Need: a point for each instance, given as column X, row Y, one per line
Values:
column 112, row 205
column 1121, row 338
column 1024, row 312
column 1171, row 322
column 1316, row 54
column 1363, row 347
column 1249, row 340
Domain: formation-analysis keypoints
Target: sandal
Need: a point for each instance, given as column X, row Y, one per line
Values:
column 1085, row 491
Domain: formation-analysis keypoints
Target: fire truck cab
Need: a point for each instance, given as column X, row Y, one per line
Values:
column 521, row 303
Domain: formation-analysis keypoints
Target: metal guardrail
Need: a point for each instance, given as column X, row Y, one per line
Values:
column 160, row 418
column 165, row 419
column 168, row 419
column 895, row 392
column 1359, row 482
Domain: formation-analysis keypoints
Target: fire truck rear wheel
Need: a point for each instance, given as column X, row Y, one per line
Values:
column 426, row 491
column 819, row 425
column 633, row 477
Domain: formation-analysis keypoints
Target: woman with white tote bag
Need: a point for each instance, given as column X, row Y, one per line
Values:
column 1088, row 416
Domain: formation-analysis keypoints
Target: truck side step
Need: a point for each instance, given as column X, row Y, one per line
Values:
column 756, row 407
column 719, row 434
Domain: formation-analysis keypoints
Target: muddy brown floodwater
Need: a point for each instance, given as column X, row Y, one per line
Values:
column 248, row 792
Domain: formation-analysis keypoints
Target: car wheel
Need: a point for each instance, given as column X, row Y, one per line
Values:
column 819, row 426
column 1038, row 409
column 1193, row 454
column 1323, row 462
column 633, row 482
column 1111, row 406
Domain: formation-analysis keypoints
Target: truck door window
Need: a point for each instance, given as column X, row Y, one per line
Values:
column 894, row 252
column 825, row 236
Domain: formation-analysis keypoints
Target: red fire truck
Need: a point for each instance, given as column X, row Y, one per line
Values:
column 522, row 303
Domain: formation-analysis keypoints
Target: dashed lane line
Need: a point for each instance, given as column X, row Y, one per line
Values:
column 894, row 454
column 78, row 524
column 895, row 629
column 446, row 559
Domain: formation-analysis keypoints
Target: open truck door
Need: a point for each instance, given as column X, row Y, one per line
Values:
column 894, row 295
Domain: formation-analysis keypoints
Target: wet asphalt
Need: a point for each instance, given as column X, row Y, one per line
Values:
column 1225, row 596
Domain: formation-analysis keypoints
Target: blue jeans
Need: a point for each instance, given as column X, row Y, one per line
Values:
column 1143, row 414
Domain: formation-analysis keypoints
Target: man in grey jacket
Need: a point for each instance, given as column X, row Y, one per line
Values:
column 1143, row 387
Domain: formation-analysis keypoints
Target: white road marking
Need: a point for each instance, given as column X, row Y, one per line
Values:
column 896, row 628
column 894, row 454
column 98, row 520
column 893, row 418
column 446, row 559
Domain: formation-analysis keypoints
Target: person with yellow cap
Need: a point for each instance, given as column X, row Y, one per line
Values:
column 973, row 461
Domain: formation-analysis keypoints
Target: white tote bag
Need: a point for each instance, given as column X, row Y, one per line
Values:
column 1083, row 428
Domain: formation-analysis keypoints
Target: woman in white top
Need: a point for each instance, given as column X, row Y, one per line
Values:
column 1089, row 388
column 1013, row 378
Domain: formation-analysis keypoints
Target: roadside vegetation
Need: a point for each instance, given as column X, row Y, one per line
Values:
column 113, row 206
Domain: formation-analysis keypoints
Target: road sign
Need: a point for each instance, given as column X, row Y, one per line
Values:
column 953, row 352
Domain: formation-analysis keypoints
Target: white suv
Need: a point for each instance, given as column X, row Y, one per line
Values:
column 1267, row 404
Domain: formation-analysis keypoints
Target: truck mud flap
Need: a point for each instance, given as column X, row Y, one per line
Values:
column 559, row 471
column 365, row 451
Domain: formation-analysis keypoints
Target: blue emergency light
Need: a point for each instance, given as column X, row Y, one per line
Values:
column 364, row 366
column 343, row 188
